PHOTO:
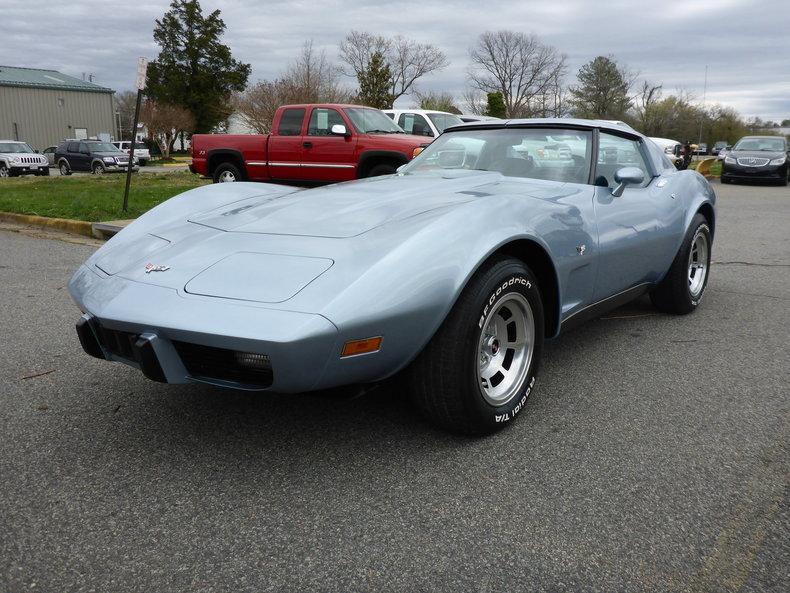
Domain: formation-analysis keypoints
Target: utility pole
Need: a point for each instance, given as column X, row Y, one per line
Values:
column 142, row 67
column 702, row 115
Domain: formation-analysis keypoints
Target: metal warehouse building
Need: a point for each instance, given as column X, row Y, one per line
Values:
column 42, row 107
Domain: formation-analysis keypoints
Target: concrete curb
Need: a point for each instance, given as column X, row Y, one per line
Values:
column 76, row 227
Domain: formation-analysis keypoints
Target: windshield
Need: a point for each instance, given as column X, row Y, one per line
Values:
column 15, row 147
column 103, row 147
column 551, row 154
column 372, row 121
column 444, row 120
column 761, row 144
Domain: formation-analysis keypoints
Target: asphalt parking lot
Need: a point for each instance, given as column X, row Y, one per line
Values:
column 653, row 456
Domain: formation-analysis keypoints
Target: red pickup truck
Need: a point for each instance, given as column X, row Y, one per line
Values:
column 309, row 144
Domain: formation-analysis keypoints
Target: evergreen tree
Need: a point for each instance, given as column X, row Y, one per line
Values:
column 194, row 70
column 496, row 105
column 375, row 86
column 602, row 91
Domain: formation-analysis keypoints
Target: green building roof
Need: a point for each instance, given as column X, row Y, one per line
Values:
column 46, row 79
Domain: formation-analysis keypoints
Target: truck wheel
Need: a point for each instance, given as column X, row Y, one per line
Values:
column 682, row 288
column 4, row 170
column 226, row 173
column 478, row 370
column 64, row 168
column 384, row 169
column 98, row 169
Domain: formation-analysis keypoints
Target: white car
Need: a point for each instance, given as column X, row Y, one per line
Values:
column 478, row 118
column 423, row 122
column 671, row 148
column 141, row 152
column 17, row 158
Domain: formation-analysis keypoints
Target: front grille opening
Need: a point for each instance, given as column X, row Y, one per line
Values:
column 119, row 343
column 207, row 362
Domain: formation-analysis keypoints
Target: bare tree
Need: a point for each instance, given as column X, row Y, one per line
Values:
column 311, row 78
column 407, row 59
column 475, row 101
column 648, row 118
column 521, row 67
column 165, row 122
column 125, row 103
column 438, row 102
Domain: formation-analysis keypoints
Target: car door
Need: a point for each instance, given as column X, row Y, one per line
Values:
column 632, row 240
column 285, row 145
column 416, row 124
column 83, row 158
column 327, row 156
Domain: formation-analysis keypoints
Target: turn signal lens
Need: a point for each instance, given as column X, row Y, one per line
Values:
column 417, row 151
column 354, row 347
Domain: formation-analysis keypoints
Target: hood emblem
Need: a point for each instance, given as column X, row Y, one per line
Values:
column 149, row 267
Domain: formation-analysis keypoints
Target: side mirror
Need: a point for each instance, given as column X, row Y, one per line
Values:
column 339, row 130
column 625, row 177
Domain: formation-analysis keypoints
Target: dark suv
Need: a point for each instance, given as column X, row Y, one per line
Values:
column 95, row 156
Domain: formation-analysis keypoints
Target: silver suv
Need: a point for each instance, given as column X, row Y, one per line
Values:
column 17, row 158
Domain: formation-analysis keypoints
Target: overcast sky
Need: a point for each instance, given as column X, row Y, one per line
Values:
column 745, row 43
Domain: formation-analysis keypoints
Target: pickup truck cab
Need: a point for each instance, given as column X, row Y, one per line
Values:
column 310, row 145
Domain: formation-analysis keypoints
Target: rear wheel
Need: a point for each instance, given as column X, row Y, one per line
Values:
column 682, row 289
column 478, row 370
column 226, row 173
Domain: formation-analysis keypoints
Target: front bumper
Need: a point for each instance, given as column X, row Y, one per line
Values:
column 116, row 168
column 764, row 173
column 176, row 338
column 28, row 169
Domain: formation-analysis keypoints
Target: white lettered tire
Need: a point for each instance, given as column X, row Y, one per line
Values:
column 478, row 370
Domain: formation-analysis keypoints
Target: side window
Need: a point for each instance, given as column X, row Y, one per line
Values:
column 322, row 120
column 616, row 152
column 414, row 123
column 84, row 148
column 291, row 122
column 390, row 115
column 73, row 147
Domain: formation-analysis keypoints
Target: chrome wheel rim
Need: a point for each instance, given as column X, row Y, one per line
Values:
column 227, row 177
column 505, row 348
column 3, row 172
column 698, row 262
column 63, row 169
column 98, row 170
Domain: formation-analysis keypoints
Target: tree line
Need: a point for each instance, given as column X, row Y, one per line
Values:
column 195, row 84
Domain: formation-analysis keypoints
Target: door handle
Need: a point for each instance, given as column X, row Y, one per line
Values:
column 307, row 144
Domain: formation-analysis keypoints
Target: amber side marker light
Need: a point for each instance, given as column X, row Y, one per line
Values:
column 354, row 347
column 417, row 151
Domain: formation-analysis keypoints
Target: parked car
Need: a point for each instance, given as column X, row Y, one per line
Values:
column 49, row 152
column 423, row 122
column 478, row 118
column 757, row 158
column 701, row 148
column 17, row 158
column 717, row 148
column 452, row 271
column 141, row 153
column 95, row 156
column 723, row 152
column 309, row 145
column 672, row 150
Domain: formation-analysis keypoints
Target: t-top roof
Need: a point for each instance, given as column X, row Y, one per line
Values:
column 46, row 79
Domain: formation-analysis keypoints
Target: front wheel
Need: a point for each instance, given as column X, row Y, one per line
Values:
column 383, row 169
column 98, row 169
column 682, row 288
column 4, row 172
column 478, row 370
column 64, row 168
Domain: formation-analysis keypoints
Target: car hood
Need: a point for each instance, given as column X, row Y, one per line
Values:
column 402, row 141
column 21, row 154
column 346, row 209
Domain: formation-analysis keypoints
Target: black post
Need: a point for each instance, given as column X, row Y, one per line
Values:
column 131, row 151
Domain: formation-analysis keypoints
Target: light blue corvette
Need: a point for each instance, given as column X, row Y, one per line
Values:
column 454, row 270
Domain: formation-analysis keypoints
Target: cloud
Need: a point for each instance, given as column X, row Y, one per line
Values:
column 744, row 43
